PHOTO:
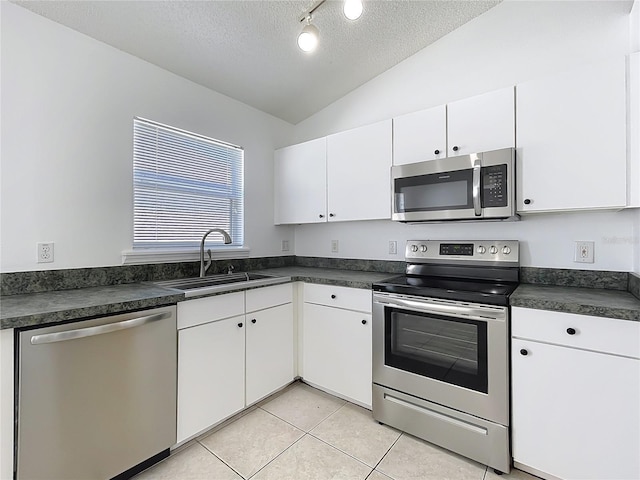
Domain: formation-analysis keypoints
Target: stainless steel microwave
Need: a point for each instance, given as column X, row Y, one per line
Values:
column 479, row 186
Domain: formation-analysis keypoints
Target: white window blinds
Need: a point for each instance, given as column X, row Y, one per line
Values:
column 184, row 184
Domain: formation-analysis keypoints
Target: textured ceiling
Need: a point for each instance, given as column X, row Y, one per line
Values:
column 247, row 49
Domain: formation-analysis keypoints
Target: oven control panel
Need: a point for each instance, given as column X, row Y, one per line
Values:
column 460, row 251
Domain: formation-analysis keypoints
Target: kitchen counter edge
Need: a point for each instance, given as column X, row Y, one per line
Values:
column 579, row 300
column 35, row 309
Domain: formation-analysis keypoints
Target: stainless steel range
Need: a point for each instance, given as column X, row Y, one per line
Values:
column 441, row 346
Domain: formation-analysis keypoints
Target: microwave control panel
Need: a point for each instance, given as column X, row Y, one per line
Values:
column 494, row 186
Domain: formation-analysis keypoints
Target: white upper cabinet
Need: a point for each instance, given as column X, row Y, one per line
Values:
column 481, row 123
column 300, row 174
column 571, row 139
column 345, row 176
column 477, row 124
column 420, row 136
column 358, row 173
column 633, row 179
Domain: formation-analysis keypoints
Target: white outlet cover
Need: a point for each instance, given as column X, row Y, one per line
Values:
column 334, row 246
column 584, row 252
column 45, row 252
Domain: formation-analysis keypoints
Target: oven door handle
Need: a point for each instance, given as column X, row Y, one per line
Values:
column 477, row 207
column 485, row 313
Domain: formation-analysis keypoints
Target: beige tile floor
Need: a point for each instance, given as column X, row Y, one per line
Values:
column 303, row 433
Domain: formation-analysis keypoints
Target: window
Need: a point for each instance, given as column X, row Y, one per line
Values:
column 184, row 184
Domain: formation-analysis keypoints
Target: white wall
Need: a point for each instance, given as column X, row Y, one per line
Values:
column 511, row 43
column 68, row 104
column 546, row 241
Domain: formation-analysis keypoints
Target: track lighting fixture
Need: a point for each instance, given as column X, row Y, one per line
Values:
column 309, row 36
column 352, row 9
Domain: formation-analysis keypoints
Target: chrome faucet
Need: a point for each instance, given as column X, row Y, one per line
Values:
column 227, row 240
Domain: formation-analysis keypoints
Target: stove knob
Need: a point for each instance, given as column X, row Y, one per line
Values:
column 506, row 250
column 414, row 248
column 493, row 249
column 423, row 248
column 481, row 249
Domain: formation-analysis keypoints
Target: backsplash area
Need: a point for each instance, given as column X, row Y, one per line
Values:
column 68, row 279
column 49, row 280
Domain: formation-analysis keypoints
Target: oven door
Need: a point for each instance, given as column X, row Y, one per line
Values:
column 451, row 353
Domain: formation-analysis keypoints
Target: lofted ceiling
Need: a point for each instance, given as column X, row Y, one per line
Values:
column 246, row 49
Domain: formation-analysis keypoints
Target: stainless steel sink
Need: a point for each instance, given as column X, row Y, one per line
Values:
column 221, row 283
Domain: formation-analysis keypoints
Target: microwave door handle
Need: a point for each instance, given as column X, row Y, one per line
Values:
column 476, row 188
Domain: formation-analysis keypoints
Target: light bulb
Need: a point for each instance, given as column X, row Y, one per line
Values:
column 352, row 9
column 308, row 38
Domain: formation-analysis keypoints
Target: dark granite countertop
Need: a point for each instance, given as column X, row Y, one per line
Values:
column 585, row 301
column 329, row 276
column 63, row 305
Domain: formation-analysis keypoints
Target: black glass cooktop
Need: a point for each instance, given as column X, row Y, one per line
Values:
column 469, row 290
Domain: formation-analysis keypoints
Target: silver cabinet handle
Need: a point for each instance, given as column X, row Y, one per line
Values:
column 98, row 330
column 476, row 188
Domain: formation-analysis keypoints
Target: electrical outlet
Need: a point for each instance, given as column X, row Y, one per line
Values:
column 584, row 252
column 393, row 247
column 334, row 246
column 285, row 245
column 45, row 252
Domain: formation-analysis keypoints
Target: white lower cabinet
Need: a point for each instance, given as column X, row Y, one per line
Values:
column 226, row 360
column 575, row 395
column 336, row 336
column 210, row 374
column 269, row 356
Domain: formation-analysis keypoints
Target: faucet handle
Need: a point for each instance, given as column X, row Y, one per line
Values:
column 230, row 269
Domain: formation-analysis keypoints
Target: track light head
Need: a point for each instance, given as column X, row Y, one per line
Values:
column 352, row 9
column 308, row 38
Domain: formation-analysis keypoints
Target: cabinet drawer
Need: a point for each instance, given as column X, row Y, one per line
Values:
column 340, row 297
column 607, row 335
column 265, row 297
column 209, row 309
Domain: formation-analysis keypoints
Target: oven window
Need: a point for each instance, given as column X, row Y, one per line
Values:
column 448, row 349
column 442, row 191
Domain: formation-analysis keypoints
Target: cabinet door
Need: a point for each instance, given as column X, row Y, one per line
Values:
column 269, row 351
column 571, row 139
column 633, row 179
column 420, row 136
column 337, row 351
column 358, row 173
column 210, row 374
column 300, row 181
column 575, row 412
column 481, row 123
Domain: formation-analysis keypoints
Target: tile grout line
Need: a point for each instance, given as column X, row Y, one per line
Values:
column 387, row 453
column 343, row 452
column 277, row 456
column 311, row 428
column 213, row 453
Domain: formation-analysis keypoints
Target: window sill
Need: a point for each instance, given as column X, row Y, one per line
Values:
column 156, row 255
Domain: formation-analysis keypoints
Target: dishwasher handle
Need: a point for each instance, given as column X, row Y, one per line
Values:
column 98, row 330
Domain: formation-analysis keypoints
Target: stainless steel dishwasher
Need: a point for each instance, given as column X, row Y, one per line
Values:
column 96, row 398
